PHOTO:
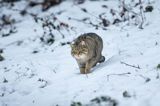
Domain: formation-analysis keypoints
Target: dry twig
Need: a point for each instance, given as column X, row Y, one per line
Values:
column 138, row 67
column 121, row 74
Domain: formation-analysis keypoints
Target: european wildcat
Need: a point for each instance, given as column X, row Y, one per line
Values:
column 87, row 49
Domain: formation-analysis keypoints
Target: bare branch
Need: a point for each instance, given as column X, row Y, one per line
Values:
column 121, row 74
column 138, row 67
column 145, row 78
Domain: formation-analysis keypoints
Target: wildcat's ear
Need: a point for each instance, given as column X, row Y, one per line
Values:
column 71, row 45
column 83, row 43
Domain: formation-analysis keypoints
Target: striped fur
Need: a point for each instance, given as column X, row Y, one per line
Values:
column 87, row 50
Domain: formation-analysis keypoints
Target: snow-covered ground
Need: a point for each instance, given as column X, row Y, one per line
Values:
column 51, row 76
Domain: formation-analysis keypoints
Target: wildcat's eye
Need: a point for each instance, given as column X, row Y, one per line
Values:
column 85, row 50
column 81, row 52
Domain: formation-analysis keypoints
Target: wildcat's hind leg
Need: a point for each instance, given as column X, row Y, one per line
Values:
column 102, row 59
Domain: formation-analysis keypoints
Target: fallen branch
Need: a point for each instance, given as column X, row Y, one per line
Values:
column 141, row 15
column 121, row 74
column 138, row 67
column 146, row 78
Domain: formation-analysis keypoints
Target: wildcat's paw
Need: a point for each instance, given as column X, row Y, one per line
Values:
column 82, row 70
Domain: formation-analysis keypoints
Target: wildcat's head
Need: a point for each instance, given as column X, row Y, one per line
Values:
column 79, row 50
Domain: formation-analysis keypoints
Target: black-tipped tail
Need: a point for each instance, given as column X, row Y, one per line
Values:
column 102, row 59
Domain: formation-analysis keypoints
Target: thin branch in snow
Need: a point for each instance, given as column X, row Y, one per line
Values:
column 121, row 74
column 138, row 67
column 142, row 15
column 146, row 78
column 54, row 71
column 103, row 22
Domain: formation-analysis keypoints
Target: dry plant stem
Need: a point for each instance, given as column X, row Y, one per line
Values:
column 145, row 78
column 35, row 16
column 121, row 74
column 141, row 14
column 101, row 19
column 131, row 65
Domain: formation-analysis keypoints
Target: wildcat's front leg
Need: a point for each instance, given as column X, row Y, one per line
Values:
column 82, row 68
column 87, row 69
column 91, row 63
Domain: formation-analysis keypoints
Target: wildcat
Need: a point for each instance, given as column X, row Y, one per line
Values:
column 87, row 50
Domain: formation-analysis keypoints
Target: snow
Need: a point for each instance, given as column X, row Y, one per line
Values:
column 52, row 77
